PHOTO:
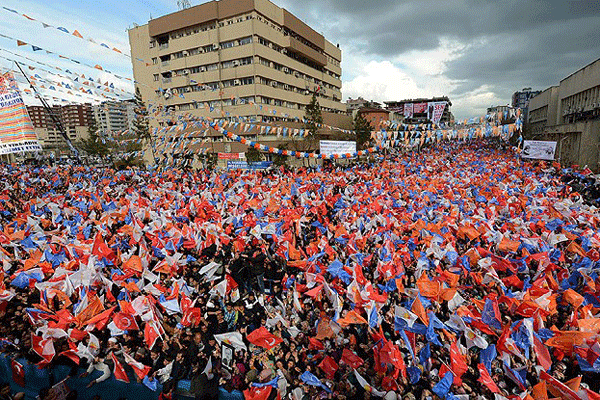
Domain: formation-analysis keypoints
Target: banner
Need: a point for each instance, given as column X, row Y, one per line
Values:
column 329, row 147
column 16, row 131
column 249, row 164
column 232, row 156
column 419, row 108
column 539, row 150
column 435, row 111
column 408, row 110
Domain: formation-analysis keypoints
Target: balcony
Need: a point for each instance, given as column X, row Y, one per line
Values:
column 164, row 63
column 166, row 80
column 163, row 46
column 297, row 46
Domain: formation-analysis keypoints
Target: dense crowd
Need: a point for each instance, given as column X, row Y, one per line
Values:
column 456, row 272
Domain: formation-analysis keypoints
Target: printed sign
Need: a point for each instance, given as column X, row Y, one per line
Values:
column 231, row 156
column 16, row 131
column 329, row 147
column 539, row 150
column 249, row 164
column 419, row 108
column 408, row 110
column 435, row 111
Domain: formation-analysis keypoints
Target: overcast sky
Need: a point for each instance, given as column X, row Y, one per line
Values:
column 476, row 52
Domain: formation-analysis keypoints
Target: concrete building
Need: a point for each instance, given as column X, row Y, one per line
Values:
column 353, row 105
column 570, row 114
column 521, row 99
column 501, row 115
column 113, row 116
column 420, row 110
column 240, row 58
column 75, row 119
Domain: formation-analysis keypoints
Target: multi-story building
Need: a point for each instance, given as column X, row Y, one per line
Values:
column 355, row 104
column 521, row 100
column 417, row 111
column 112, row 116
column 570, row 114
column 235, row 58
column 75, row 119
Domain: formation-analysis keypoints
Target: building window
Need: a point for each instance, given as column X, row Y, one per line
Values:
column 155, row 77
column 227, row 45
column 246, row 40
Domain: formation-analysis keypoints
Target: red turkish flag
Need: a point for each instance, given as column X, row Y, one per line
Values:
column 351, row 359
column 255, row 393
column 329, row 366
column 192, row 316
column 18, row 373
column 458, row 363
column 486, row 379
column 150, row 334
column 126, row 322
column 119, row 371
column 263, row 338
column 100, row 249
column 315, row 344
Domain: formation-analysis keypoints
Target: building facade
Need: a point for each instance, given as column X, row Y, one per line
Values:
column 570, row 114
column 420, row 110
column 112, row 116
column 75, row 119
column 235, row 58
column 352, row 105
column 521, row 99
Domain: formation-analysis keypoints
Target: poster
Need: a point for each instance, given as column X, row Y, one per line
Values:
column 16, row 130
column 538, row 149
column 329, row 147
column 232, row 156
column 227, row 356
column 419, row 108
column 408, row 110
column 249, row 164
column 435, row 110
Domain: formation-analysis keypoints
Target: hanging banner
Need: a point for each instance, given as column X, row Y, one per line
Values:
column 540, row 150
column 249, row 164
column 329, row 147
column 419, row 108
column 16, row 131
column 232, row 156
column 435, row 111
column 408, row 110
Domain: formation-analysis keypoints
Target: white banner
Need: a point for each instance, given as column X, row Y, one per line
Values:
column 435, row 110
column 329, row 147
column 538, row 149
column 408, row 110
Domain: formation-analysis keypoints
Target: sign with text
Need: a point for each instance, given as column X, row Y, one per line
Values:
column 16, row 130
column 436, row 110
column 408, row 110
column 232, row 156
column 419, row 108
column 249, row 164
column 538, row 149
column 329, row 147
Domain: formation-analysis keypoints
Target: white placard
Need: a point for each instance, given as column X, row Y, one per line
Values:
column 540, row 150
column 329, row 147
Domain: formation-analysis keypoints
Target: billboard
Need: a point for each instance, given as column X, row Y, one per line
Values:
column 16, row 130
column 538, row 149
column 435, row 111
column 408, row 110
column 329, row 147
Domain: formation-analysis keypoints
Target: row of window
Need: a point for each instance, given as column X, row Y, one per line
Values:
column 581, row 100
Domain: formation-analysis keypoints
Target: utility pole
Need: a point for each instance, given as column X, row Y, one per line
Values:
column 56, row 121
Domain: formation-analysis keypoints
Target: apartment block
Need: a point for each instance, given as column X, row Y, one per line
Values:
column 115, row 116
column 75, row 119
column 235, row 58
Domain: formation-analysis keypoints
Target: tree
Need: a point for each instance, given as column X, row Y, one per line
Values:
column 362, row 129
column 252, row 154
column 313, row 117
column 94, row 144
column 278, row 159
column 141, row 129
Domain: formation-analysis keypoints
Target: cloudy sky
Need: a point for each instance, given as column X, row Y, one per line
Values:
column 477, row 52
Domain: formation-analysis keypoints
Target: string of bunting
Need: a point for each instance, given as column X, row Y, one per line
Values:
column 74, row 33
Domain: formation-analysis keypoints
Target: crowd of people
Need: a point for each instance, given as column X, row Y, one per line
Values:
column 458, row 272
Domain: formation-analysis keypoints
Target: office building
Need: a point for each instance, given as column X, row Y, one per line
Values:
column 569, row 113
column 521, row 99
column 235, row 58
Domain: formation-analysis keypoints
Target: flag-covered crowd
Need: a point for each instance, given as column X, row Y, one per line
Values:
column 459, row 272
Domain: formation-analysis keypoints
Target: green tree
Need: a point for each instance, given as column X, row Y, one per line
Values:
column 252, row 154
column 313, row 117
column 362, row 129
column 140, row 124
column 94, row 145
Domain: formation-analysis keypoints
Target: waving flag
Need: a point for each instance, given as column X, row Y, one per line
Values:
column 263, row 338
column 118, row 371
column 312, row 380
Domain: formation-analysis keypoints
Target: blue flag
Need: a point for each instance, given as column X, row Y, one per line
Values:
column 443, row 386
column 487, row 355
column 312, row 380
column 151, row 384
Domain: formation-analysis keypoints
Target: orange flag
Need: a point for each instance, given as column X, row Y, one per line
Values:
column 577, row 249
column 419, row 311
column 352, row 317
column 573, row 298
